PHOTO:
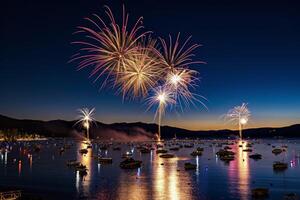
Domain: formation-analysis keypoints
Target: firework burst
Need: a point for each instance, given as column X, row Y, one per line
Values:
column 142, row 71
column 176, row 60
column 85, row 118
column 239, row 115
column 107, row 46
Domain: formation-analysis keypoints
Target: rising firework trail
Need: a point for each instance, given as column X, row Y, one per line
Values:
column 85, row 118
column 162, row 98
column 239, row 115
column 107, row 46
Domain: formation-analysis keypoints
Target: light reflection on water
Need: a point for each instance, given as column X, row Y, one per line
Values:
column 213, row 179
column 83, row 183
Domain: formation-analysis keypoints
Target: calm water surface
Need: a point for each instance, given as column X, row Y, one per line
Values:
column 46, row 175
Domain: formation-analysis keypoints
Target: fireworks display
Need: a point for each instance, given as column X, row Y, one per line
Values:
column 107, row 46
column 134, row 63
column 239, row 115
column 176, row 59
column 142, row 71
column 85, row 118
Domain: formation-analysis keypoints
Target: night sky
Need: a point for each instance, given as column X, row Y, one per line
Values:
column 252, row 50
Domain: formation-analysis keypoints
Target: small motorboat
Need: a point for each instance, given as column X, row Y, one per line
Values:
column 280, row 166
column 255, row 156
column 103, row 160
column 82, row 170
column 83, row 151
column 167, row 155
column 127, row 155
column 227, row 158
column 161, row 151
column 200, row 149
column 196, row 153
column 130, row 163
column 190, row 166
column 277, row 151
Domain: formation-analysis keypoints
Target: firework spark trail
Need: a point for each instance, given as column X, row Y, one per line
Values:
column 239, row 115
column 162, row 98
column 142, row 71
column 85, row 118
column 176, row 59
column 107, row 46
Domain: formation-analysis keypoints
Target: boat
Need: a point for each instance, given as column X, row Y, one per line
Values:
column 225, row 155
column 260, row 192
column 277, row 151
column 103, row 160
column 200, row 149
column 82, row 169
column 190, row 166
column 227, row 158
column 255, row 156
column 83, row 151
column 130, row 163
column 127, row 155
column 223, row 152
column 167, row 155
column 280, row 166
column 196, row 153
column 161, row 151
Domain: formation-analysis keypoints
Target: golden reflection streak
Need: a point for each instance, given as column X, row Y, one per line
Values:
column 243, row 168
column 132, row 186
column 20, row 167
column 87, row 161
column 159, row 182
column 167, row 180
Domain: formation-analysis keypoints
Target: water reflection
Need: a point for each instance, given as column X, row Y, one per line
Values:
column 132, row 185
column 152, row 180
column 83, row 182
column 20, row 167
column 169, row 183
column 239, row 170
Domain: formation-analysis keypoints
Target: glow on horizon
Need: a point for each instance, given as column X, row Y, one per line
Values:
column 200, row 122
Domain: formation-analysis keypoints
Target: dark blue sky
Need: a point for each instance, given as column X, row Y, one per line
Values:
column 252, row 50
